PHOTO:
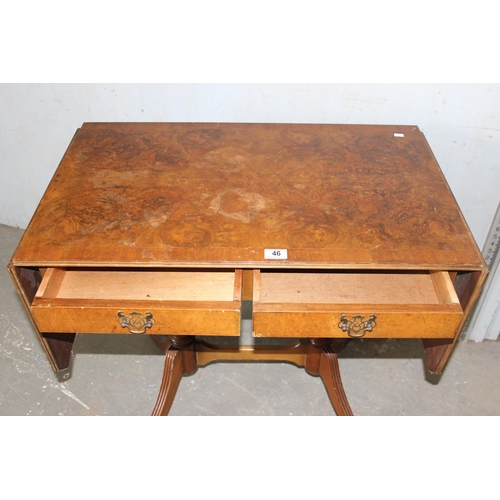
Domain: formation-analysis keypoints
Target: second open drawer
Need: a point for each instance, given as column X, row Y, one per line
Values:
column 156, row 302
column 347, row 304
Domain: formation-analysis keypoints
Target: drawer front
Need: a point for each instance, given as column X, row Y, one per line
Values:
column 356, row 323
column 413, row 305
column 93, row 302
column 138, row 318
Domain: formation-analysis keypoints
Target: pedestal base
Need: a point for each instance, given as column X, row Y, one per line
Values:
column 183, row 355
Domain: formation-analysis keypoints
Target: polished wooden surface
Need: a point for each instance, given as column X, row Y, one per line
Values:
column 165, row 194
column 168, row 224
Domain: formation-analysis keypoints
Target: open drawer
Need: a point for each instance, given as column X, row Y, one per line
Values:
column 158, row 302
column 343, row 304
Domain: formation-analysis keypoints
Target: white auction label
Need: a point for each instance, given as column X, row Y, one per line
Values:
column 275, row 253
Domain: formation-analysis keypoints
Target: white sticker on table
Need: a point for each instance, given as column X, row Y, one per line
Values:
column 276, row 253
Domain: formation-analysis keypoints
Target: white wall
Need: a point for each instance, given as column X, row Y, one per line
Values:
column 461, row 123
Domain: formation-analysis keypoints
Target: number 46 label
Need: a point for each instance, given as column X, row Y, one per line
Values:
column 275, row 253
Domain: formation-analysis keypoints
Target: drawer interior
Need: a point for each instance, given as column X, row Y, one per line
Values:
column 398, row 288
column 122, row 284
column 161, row 302
column 342, row 304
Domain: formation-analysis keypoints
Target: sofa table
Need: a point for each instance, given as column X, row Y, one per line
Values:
column 333, row 232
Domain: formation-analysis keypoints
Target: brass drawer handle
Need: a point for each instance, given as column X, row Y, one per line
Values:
column 357, row 326
column 135, row 323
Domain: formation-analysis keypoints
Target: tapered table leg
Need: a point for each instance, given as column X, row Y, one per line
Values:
column 172, row 374
column 330, row 374
column 322, row 360
column 180, row 359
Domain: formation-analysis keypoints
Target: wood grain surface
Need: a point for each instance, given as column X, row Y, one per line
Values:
column 178, row 194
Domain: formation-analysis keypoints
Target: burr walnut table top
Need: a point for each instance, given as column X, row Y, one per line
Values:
column 203, row 195
column 334, row 232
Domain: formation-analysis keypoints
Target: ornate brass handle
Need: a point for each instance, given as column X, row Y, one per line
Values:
column 357, row 326
column 136, row 323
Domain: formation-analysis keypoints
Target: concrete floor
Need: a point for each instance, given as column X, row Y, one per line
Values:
column 120, row 375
